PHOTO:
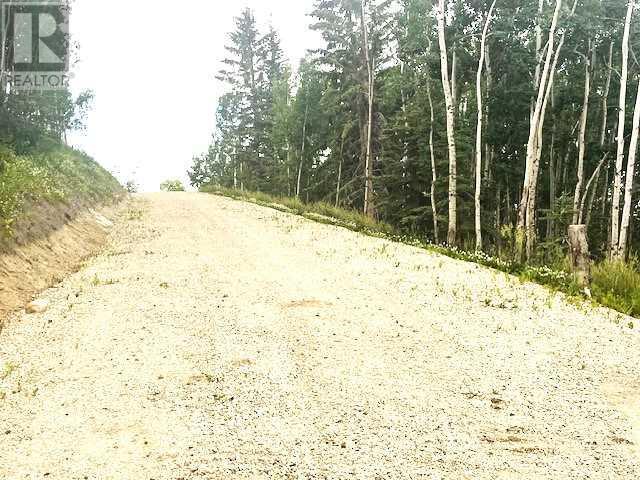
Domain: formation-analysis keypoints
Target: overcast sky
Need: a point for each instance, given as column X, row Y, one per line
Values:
column 151, row 64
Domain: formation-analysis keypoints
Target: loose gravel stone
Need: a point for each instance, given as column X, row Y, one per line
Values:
column 219, row 339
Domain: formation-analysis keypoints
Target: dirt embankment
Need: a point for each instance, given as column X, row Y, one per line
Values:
column 48, row 243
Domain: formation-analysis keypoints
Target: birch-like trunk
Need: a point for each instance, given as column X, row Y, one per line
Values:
column 605, row 97
column 451, row 136
column 368, row 189
column 304, row 144
column 478, row 193
column 594, row 176
column 339, row 184
column 526, row 214
column 589, row 61
column 531, row 211
column 617, row 182
column 434, row 173
column 628, row 190
column 490, row 152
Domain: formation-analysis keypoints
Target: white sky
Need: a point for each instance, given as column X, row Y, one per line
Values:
column 151, row 64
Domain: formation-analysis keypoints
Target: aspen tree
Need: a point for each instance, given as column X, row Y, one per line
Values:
column 368, row 189
column 622, row 104
column 478, row 213
column 628, row 190
column 582, row 132
column 450, row 115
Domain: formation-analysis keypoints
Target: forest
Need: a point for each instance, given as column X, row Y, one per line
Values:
column 486, row 125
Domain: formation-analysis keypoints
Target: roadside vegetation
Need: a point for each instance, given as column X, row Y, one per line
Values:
column 172, row 186
column 615, row 284
column 54, row 173
column 495, row 132
column 36, row 163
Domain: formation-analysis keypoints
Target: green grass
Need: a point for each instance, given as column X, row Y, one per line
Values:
column 614, row 285
column 617, row 285
column 60, row 174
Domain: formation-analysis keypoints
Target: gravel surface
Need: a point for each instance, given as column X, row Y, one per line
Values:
column 216, row 339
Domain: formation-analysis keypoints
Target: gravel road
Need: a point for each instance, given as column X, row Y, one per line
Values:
column 215, row 339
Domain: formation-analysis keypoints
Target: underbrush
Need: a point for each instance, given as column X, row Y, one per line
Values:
column 615, row 285
column 58, row 174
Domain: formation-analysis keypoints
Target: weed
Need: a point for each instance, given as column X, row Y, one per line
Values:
column 8, row 369
column 96, row 281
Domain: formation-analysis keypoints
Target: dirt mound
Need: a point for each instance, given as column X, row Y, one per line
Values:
column 49, row 242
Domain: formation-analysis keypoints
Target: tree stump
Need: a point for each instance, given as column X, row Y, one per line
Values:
column 580, row 259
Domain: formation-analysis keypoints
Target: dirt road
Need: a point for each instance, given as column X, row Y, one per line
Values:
column 216, row 339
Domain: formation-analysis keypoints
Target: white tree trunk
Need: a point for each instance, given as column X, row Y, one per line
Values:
column 582, row 133
column 434, row 173
column 451, row 136
column 368, row 190
column 593, row 178
column 526, row 224
column 628, row 190
column 605, row 96
column 304, row 144
column 617, row 183
column 478, row 213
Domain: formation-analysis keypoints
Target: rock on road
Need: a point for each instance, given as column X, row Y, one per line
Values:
column 216, row 339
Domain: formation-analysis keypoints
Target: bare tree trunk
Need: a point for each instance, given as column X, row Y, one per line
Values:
column 489, row 148
column 368, row 190
column 531, row 213
column 434, row 173
column 526, row 224
column 617, row 183
column 451, row 136
column 288, row 169
column 605, row 96
column 553, row 169
column 592, row 197
column 235, row 176
column 454, row 77
column 478, row 193
column 580, row 259
column 338, row 186
column 582, row 132
column 304, row 144
column 595, row 175
column 628, row 190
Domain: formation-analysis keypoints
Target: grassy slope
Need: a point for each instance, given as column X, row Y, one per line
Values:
column 59, row 174
column 614, row 285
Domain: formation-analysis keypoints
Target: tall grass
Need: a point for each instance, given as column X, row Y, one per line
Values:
column 615, row 285
column 59, row 174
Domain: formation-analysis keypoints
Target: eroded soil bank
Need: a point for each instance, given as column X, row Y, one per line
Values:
column 51, row 241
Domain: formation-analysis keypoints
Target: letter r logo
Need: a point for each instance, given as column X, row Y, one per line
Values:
column 38, row 34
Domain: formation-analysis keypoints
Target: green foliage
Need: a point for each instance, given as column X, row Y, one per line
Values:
column 58, row 174
column 617, row 285
column 172, row 186
column 318, row 211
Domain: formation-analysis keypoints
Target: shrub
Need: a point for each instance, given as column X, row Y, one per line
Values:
column 172, row 186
